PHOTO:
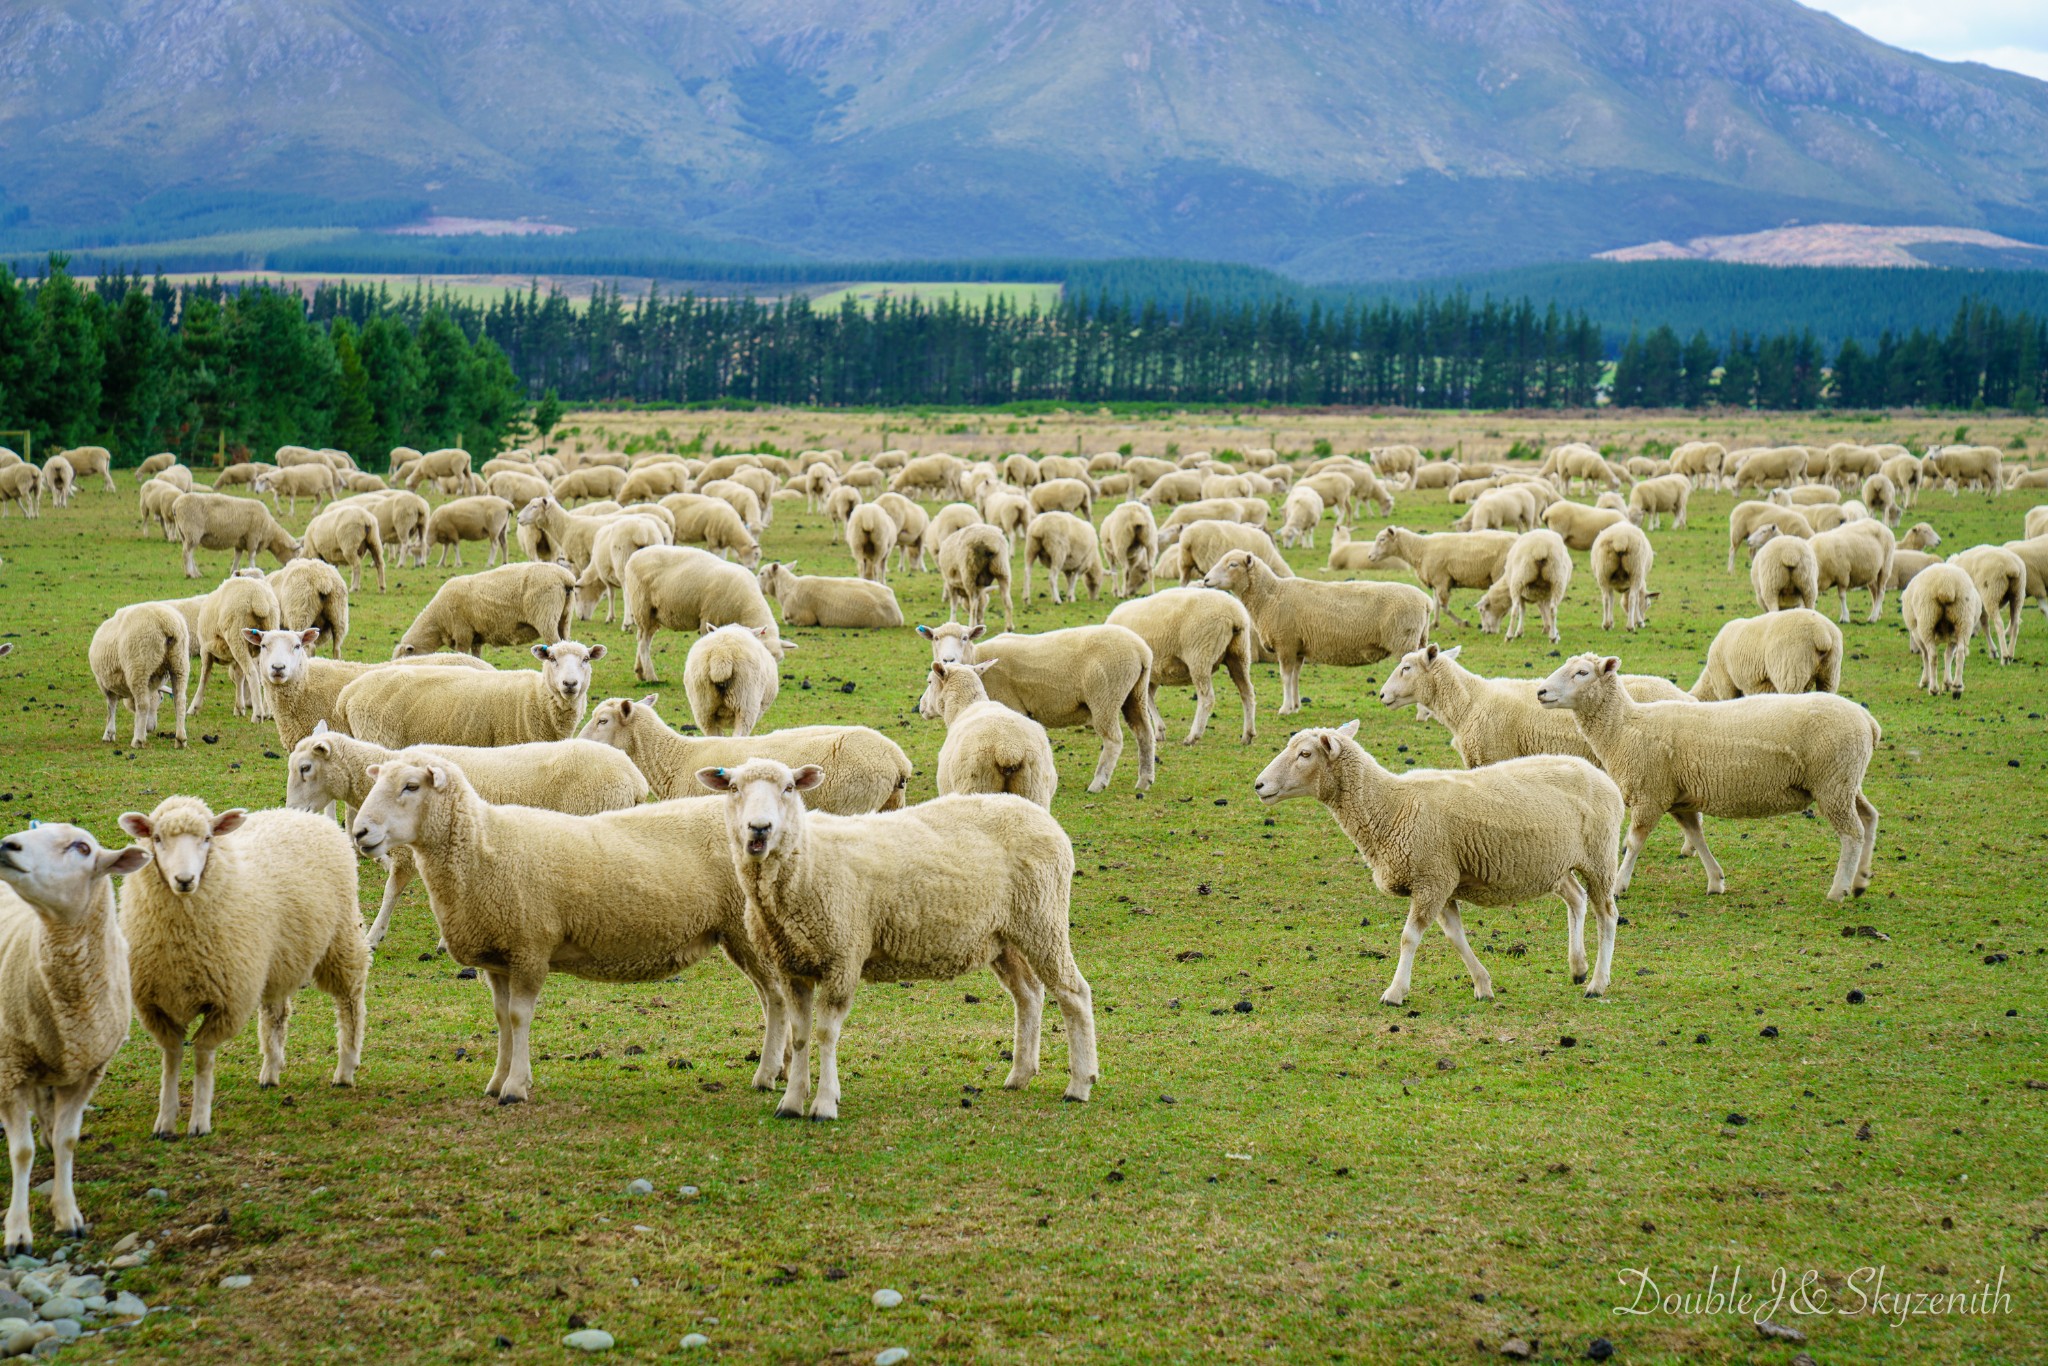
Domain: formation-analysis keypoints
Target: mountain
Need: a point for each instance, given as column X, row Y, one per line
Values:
column 1334, row 139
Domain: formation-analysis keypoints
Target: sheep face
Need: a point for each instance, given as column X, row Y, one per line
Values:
column 307, row 784
column 1404, row 685
column 395, row 808
column 1383, row 546
column 1300, row 769
column 536, row 510
column 952, row 643
column 1230, row 572
column 180, row 835
column 956, row 683
column 1577, row 677
column 566, row 667
column 763, row 812
column 56, row 868
column 281, row 655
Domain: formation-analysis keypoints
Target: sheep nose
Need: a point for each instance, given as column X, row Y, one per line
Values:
column 760, row 827
column 185, row 884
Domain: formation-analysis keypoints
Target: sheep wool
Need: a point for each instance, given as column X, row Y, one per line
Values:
column 988, row 747
column 867, row 770
column 400, row 707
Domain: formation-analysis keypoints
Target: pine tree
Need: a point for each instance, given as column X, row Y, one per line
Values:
column 135, row 383
column 547, row 415
column 64, row 409
column 355, row 414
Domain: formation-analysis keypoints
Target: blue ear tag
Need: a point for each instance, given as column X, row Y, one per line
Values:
column 35, row 825
column 721, row 773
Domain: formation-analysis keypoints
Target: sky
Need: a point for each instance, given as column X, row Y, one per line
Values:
column 2008, row 33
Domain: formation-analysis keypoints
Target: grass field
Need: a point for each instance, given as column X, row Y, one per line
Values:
column 1040, row 297
column 1318, row 1177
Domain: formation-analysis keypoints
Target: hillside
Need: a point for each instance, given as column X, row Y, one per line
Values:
column 1330, row 138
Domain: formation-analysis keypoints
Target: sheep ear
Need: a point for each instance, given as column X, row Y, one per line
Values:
column 705, row 628
column 808, row 777
column 123, row 861
column 1430, row 652
column 598, row 652
column 319, row 728
column 540, row 652
column 939, row 669
column 252, row 635
column 984, row 666
column 1349, row 728
column 649, row 700
column 785, row 645
column 323, row 748
column 372, row 771
column 137, row 824
column 229, row 821
column 976, row 633
column 309, row 637
column 437, row 774
column 764, row 632
column 715, row 779
column 1611, row 664
column 924, row 630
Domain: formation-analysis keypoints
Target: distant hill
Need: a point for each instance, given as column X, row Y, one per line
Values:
column 1331, row 139
column 1845, row 244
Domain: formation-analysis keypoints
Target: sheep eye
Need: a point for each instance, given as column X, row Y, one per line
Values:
column 789, row 787
column 79, row 847
column 412, row 787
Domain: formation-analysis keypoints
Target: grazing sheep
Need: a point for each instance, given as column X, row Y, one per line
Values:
column 401, row 521
column 1205, row 543
column 713, row 524
column 22, row 484
column 1068, row 546
column 589, row 483
column 509, row 605
column 400, row 707
column 1700, row 462
column 1192, row 633
column 2000, row 578
column 548, row 531
column 651, row 483
column 1856, row 555
column 1906, row 474
column 1770, row 467
column 943, row 523
column 1783, row 571
column 311, row 593
column 1205, row 510
column 235, row 914
column 1499, row 509
column 679, row 588
column 2036, row 522
column 1963, row 467
column 869, row 771
column 1746, row 519
column 580, row 777
column 1300, row 515
column 1494, row 836
column 154, row 502
column 1365, row 487
column 482, row 517
column 1336, row 490
column 911, row 522
column 1848, row 464
column 1621, row 568
column 618, row 540
column 149, row 468
column 1538, row 570
column 731, row 678
column 740, row 499
column 58, row 479
column 177, row 476
column 989, row 747
column 972, row 562
column 1882, row 497
column 64, row 976
column 517, row 486
column 811, row 600
column 135, row 655
column 242, row 472
column 1942, row 610
column 346, row 535
column 302, row 691
column 1789, row 650
column 937, row 476
column 841, row 503
column 1444, row 561
column 1742, row 759
column 870, row 536
column 1397, row 462
column 218, row 521
column 2033, row 554
column 1304, row 621
column 833, row 899
column 1063, row 495
column 1668, row 493
column 1083, row 676
column 1130, row 542
column 315, row 481
column 87, row 461
column 237, row 605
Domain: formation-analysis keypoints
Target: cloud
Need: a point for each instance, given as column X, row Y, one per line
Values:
column 2012, row 34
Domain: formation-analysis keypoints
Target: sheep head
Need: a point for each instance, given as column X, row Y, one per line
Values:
column 180, row 835
column 1302, row 768
column 763, row 813
column 395, row 808
column 57, row 868
column 1579, row 677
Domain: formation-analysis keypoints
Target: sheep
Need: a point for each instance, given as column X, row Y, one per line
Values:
column 177, row 476
column 400, row 707
column 242, row 472
column 509, row 605
column 739, row 498
column 1444, row 560
column 445, row 463
column 1068, row 546
column 1581, row 525
column 972, row 563
column 1855, row 555
column 1192, row 632
column 401, row 520
column 1082, row 676
column 1621, row 561
column 22, row 484
column 581, row 777
column 1349, row 556
column 230, row 609
column 302, row 690
column 1744, row 519
column 1882, row 496
column 1491, row 719
column 988, row 747
column 730, row 677
column 1204, row 543
column 1963, row 467
column 311, row 593
column 1170, row 490
column 618, row 540
column 811, row 600
column 233, row 914
column 1907, row 476
column 1783, row 572
column 218, row 521
column 2036, row 522
column 1848, row 464
column 713, row 524
column 345, row 535
column 482, row 517
column 1304, row 621
column 2033, row 554
column 1666, row 493
column 1790, row 650
column 150, row 467
column 1204, row 510
column 831, row 899
column 58, row 479
column 1942, row 610
column 943, row 523
column 911, row 522
column 547, row 531
column 1745, row 758
column 1493, row 836
column 1700, row 462
column 2000, row 578
column 841, row 503
column 1397, row 462
column 678, row 588
column 1300, row 516
column 937, row 475
column 1538, row 570
column 298, row 481
column 1007, row 512
column 1770, row 466
column 1130, row 543
column 1434, row 474
column 870, row 536
column 1365, row 487
column 136, row 654
column 86, row 461
column 64, row 975
column 154, row 504
column 652, row 483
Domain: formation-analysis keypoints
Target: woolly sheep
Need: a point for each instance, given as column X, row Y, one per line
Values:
column 1579, row 524
column 1130, row 543
column 1538, row 570
column 1621, row 561
column 242, row 472
column 1203, row 544
column 58, row 479
column 2036, row 522
column 509, row 605
column 1783, row 571
column 730, row 677
column 218, row 521
column 64, row 976
column 972, row 563
column 679, row 588
column 1882, row 496
column 346, row 536
column 314, row 481
column 652, row 483
column 547, row 531
column 1493, row 836
column 483, row 517
column 937, row 475
column 1963, row 467
column 1202, row 510
column 1444, row 561
column 1700, row 462
column 2000, row 578
column 1365, row 486
column 840, row 504
column 1856, row 555
column 870, row 536
column 302, row 691
column 2034, row 555
column 1745, row 519
column 1193, row 632
column 911, row 522
column 1667, row 493
column 1300, row 516
column 1770, row 466
column 234, row 914
column 713, row 524
column 811, row 600
column 311, row 593
column 1791, row 650
column 618, row 540
column 1907, row 476
column 134, row 656
column 1398, row 462
column 22, row 484
column 1746, row 758
column 150, row 467
column 740, row 499
column 589, row 482
column 400, row 707
column 1083, row 676
column 237, row 605
column 401, row 521
column 1304, row 621
column 881, row 895
column 1352, row 556
column 580, row 777
column 1942, row 611
column 87, row 461
column 1068, row 547
column 988, row 747
column 943, row 523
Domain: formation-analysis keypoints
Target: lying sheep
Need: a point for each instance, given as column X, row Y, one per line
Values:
column 482, row 517
column 1942, row 611
column 1130, row 543
column 1304, row 621
column 1082, row 676
column 2000, row 578
column 870, row 536
column 812, row 600
column 730, row 677
column 64, row 976
column 1193, row 632
column 344, row 535
column 1444, row 561
column 240, row 526
column 1067, row 546
column 1349, row 556
column 1746, row 758
column 1783, row 571
column 1493, row 836
column 1621, row 560
column 869, row 771
column 234, row 915
column 1790, row 650
column 972, row 563
column 581, row 777
column 135, row 655
column 400, row 707
column 679, row 588
column 831, row 899
column 311, row 593
column 302, row 691
column 1538, row 570
column 989, row 747
column 229, row 611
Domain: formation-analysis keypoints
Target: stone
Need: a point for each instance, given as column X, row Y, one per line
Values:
column 127, row 1305
column 34, row 1289
column 127, row 1244
column 687, row 1192
column 128, row 1260
column 61, row 1307
column 640, row 1186
column 10, row 1326
column 157, row 1193
column 26, row 1339
column 588, row 1340
column 1599, row 1349
column 67, row 1329
column 695, row 1340
column 1780, row 1332
column 892, row 1356
column 11, row 1303
column 82, row 1286
column 1518, row 1348
column 887, row 1299
column 95, row 1304
column 237, row 1282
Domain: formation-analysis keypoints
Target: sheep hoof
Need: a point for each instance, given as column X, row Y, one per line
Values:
column 509, row 1099
column 74, row 1232
column 266, row 1086
column 343, row 1083
column 1578, row 977
column 783, row 1112
column 164, row 1135
column 1388, row 998
column 22, row 1247
column 1595, row 993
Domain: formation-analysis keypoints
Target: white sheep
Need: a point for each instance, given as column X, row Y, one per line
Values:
column 1065, row 494
column 679, row 588
column 1068, row 546
column 1300, row 515
column 911, row 524
column 219, row 521
column 87, row 461
column 618, row 540
column 135, row 655
column 1855, row 555
column 311, row 593
column 1130, row 543
column 1444, row 561
column 1787, row 650
column 731, row 678
column 58, row 480
column 2036, row 522
column 1193, row 632
column 480, row 517
column 988, row 747
column 870, row 535
column 2000, row 577
column 1942, row 611
column 1203, row 544
column 302, row 691
column 291, row 483
column 1668, row 493
column 346, row 535
column 509, row 605
column 1700, row 462
column 231, row 609
column 235, row 914
column 1882, row 497
column 943, row 523
column 1494, row 836
column 400, row 707
column 1302, row 621
column 1538, row 570
column 64, row 980
column 1967, row 467
column 21, row 484
column 973, row 562
column 1621, row 560
column 1783, row 571
column 812, row 600
column 833, row 899
column 1750, row 757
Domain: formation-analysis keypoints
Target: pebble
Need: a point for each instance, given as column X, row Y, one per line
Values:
column 437, row 1252
column 127, row 1244
column 588, row 1340
column 640, row 1186
column 687, row 1192
column 129, row 1259
column 26, row 1339
column 10, row 1326
column 237, row 1282
column 61, row 1307
column 695, row 1340
column 1779, row 1331
column 892, row 1356
column 67, row 1329
column 887, row 1299
column 95, row 1304
column 34, row 1289
column 11, row 1302
column 157, row 1193
column 127, row 1306
column 79, row 1287
column 640, row 1228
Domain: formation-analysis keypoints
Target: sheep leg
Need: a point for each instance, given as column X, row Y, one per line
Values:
column 1205, row 704
column 21, row 1155
column 798, row 998
column 1641, row 821
column 113, row 718
column 1027, row 995
column 1239, row 667
column 774, row 1035
column 273, row 1021
column 1077, row 1011
column 1574, row 925
column 501, row 993
column 343, row 974
column 1152, row 706
column 1454, row 930
column 835, row 1001
column 1550, row 620
column 66, row 1109
column 1290, row 683
column 1844, row 815
column 1696, row 836
column 1876, row 598
column 1606, row 608
column 1110, row 729
column 201, row 1122
column 1601, row 895
column 397, row 877
column 1138, row 716
column 1421, row 910
column 1868, row 814
column 205, row 672
column 1443, row 604
column 643, row 656
column 522, row 991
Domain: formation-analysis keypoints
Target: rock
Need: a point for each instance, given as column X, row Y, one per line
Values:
column 48, row 1347
column 13, row 1305
column 80, row 1287
column 1780, row 1332
column 687, row 1192
column 237, row 1282
column 588, row 1340
column 10, row 1326
column 95, row 1304
column 157, row 1193
column 1599, row 1349
column 34, row 1289
column 640, row 1186
column 127, row 1306
column 26, row 1339
column 1518, row 1348
column 695, row 1340
column 129, row 1259
column 892, row 1356
column 127, row 1244
column 67, row 1329
column 1802, row 1359
column 887, row 1299
column 61, row 1307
